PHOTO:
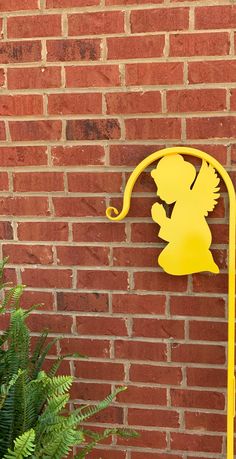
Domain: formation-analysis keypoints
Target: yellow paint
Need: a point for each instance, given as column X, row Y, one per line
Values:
column 207, row 188
column 186, row 231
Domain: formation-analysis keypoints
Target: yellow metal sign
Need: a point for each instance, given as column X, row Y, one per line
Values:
column 187, row 233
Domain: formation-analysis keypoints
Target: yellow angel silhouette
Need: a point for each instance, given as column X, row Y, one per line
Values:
column 186, row 231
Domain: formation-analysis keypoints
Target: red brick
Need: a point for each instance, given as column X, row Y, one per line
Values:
column 145, row 395
column 120, row 155
column 163, row 19
column 102, row 280
column 54, row 323
column 111, row 454
column 98, row 23
column 83, row 256
column 139, row 350
column 94, row 182
column 208, row 331
column 78, row 155
column 138, row 304
column 34, row 26
column 205, row 283
column 20, row 51
column 146, row 439
column 6, row 230
column 92, row 76
column 38, row 181
column 213, row 127
column 133, row 256
column 4, row 182
column 72, row 104
column 70, row 3
column 133, row 102
column 198, row 353
column 2, row 131
column 89, row 391
column 99, row 232
column 136, row 47
column 29, row 254
column 27, row 206
column 157, row 418
column 205, row 421
column 196, row 100
column 47, row 278
column 131, row 2
column 35, row 130
column 197, row 399
column 159, row 281
column 206, row 377
column 212, row 71
column 215, row 17
column 89, row 347
column 139, row 207
column 23, row 156
column 82, row 302
column 101, row 129
column 21, row 105
column 160, row 73
column 17, row 5
column 34, row 77
column 102, row 370
column 220, row 233
column 73, row 50
column 9, row 276
column 82, row 207
column 136, row 455
column 188, row 442
column 153, row 128
column 2, row 77
column 42, row 231
column 197, row 306
column 156, row 374
column 158, row 328
column 233, row 99
column 45, row 299
column 101, row 326
column 204, row 44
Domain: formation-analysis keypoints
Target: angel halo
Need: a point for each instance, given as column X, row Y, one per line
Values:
column 186, row 230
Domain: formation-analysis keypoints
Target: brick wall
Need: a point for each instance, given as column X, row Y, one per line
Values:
column 88, row 89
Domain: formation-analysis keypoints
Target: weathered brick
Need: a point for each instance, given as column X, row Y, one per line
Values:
column 28, row 254
column 78, row 155
column 94, row 182
column 196, row 100
column 20, row 51
column 83, row 302
column 73, row 50
column 70, row 3
column 103, row 129
column 43, row 231
column 83, row 256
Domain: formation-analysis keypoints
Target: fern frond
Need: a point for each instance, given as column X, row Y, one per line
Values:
column 24, row 446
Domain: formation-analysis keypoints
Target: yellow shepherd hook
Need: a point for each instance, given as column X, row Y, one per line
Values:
column 231, row 268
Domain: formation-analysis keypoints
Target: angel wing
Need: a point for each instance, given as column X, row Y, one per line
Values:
column 205, row 188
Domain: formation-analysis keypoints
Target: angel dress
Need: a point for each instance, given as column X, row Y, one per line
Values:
column 187, row 231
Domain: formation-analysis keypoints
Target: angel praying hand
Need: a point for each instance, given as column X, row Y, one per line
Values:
column 186, row 231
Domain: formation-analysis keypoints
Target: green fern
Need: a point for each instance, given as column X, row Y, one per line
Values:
column 34, row 418
column 24, row 446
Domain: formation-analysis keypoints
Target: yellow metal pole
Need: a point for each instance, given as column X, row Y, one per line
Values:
column 231, row 268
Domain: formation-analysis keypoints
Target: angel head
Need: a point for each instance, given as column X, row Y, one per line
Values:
column 173, row 177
